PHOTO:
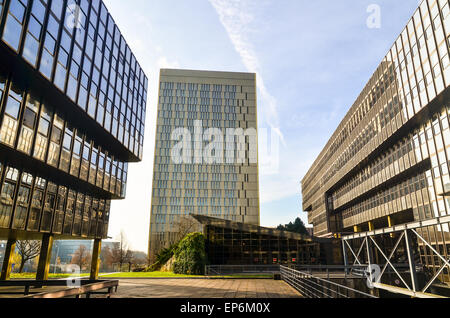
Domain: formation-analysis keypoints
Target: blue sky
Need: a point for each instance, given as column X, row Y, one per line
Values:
column 312, row 58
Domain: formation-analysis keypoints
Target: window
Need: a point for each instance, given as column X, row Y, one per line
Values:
column 49, row 49
column 55, row 141
column 34, row 34
column 36, row 205
column 9, row 126
column 6, row 203
column 14, row 23
column 40, row 147
column 23, row 202
column 29, row 123
column 68, row 219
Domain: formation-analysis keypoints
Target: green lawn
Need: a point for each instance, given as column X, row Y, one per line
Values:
column 32, row 276
column 172, row 275
column 50, row 276
column 148, row 275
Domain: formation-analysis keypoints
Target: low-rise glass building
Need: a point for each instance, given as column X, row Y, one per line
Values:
column 233, row 243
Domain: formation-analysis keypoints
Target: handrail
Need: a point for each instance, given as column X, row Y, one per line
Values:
column 311, row 286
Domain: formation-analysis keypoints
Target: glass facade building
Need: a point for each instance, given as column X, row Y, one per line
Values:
column 72, row 112
column 218, row 183
column 388, row 161
column 234, row 243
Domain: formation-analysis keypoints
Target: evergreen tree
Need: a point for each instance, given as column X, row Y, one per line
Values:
column 297, row 227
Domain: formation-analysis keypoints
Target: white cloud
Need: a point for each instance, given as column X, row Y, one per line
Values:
column 236, row 17
column 163, row 62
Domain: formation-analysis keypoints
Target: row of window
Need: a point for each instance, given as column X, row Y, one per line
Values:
column 37, row 130
column 199, row 168
column 203, row 102
column 420, row 73
column 192, row 176
column 416, row 142
column 196, row 94
column 421, row 67
column 215, row 88
column 216, row 114
column 192, row 193
column 427, row 142
column 203, row 185
column 33, row 203
column 198, row 202
column 228, row 108
column 111, row 83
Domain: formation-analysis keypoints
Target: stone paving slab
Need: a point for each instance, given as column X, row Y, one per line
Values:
column 204, row 288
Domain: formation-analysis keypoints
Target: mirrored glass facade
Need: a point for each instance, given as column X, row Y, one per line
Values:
column 76, row 45
column 72, row 109
column 233, row 243
column 388, row 161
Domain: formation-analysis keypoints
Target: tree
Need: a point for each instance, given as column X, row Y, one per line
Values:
column 297, row 227
column 81, row 257
column 184, row 226
column 190, row 255
column 27, row 250
column 121, row 253
column 106, row 258
column 16, row 260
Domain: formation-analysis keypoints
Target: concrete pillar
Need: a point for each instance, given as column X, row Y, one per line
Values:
column 7, row 260
column 95, row 264
column 44, row 258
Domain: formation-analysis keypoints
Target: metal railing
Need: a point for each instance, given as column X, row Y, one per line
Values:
column 314, row 287
column 219, row 270
column 34, row 289
column 340, row 271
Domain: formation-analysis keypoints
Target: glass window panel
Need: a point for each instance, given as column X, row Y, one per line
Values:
column 6, row 203
column 31, row 49
column 47, row 216
column 23, row 202
column 13, row 27
column 35, row 212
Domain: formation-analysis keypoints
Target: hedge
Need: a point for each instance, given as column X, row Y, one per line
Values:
column 190, row 255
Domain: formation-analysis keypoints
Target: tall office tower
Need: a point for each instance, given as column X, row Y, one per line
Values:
column 388, row 161
column 72, row 110
column 203, row 107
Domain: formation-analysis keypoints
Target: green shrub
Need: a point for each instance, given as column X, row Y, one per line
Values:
column 190, row 255
column 162, row 258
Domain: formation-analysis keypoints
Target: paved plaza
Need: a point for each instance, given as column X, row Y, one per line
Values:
column 204, row 288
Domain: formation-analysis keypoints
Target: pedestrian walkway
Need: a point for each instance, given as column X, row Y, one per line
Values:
column 204, row 288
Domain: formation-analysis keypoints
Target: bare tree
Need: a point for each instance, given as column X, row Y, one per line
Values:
column 81, row 257
column 106, row 258
column 27, row 250
column 121, row 253
column 184, row 226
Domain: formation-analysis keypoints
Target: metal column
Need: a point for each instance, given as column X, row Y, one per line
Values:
column 7, row 260
column 412, row 264
column 95, row 264
column 44, row 258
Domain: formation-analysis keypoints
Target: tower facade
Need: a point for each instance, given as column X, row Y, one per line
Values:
column 206, row 160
